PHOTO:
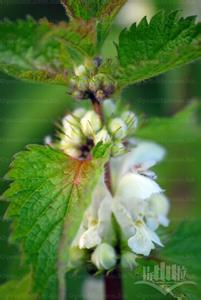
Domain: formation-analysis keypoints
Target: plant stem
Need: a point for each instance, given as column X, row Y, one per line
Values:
column 112, row 280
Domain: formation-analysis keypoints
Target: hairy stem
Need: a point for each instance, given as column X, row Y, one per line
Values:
column 112, row 280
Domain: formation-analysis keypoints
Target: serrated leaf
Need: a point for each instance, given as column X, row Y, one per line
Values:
column 17, row 288
column 149, row 49
column 102, row 11
column 184, row 249
column 42, row 51
column 47, row 199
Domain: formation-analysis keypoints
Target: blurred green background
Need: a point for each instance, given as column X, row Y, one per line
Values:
column 28, row 112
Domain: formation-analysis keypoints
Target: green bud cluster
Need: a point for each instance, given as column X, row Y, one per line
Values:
column 89, row 82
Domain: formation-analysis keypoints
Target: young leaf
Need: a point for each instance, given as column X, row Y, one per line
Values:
column 42, row 51
column 17, row 288
column 102, row 11
column 47, row 198
column 87, row 10
column 149, row 49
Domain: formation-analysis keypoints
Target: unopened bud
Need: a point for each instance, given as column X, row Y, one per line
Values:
column 130, row 119
column 80, row 70
column 118, row 128
column 79, row 95
column 102, row 136
column 79, row 113
column 118, row 149
column 70, row 149
column 76, row 257
column 109, row 107
column 82, row 84
column 90, row 123
column 104, row 257
column 128, row 260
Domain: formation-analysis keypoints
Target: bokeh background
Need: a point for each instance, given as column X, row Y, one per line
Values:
column 28, row 112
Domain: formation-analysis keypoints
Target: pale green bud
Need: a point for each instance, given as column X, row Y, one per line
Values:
column 130, row 119
column 104, row 257
column 90, row 123
column 102, row 136
column 79, row 113
column 76, row 257
column 109, row 107
column 83, row 84
column 118, row 128
column 128, row 260
column 80, row 70
column 118, row 149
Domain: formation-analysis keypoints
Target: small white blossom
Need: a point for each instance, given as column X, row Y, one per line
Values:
column 142, row 242
column 104, row 257
column 118, row 149
column 102, row 136
column 90, row 123
column 117, row 128
column 130, row 119
column 109, row 107
column 79, row 112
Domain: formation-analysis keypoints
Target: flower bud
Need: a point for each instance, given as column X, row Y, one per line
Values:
column 76, row 257
column 104, row 257
column 102, row 136
column 79, row 95
column 70, row 149
column 118, row 128
column 72, row 132
column 109, row 107
column 128, row 260
column 82, row 84
column 90, row 123
column 118, row 149
column 80, row 70
column 130, row 119
column 96, row 82
column 79, row 113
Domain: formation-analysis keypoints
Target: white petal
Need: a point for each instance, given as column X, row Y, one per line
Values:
column 140, row 244
column 136, row 186
column 144, row 153
column 155, row 238
column 123, row 218
column 90, row 238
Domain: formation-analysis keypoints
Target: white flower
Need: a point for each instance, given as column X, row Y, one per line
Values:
column 142, row 242
column 96, row 225
column 90, row 123
column 104, row 257
column 102, row 136
column 118, row 128
column 157, row 210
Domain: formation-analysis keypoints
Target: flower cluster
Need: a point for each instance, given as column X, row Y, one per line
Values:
column 138, row 204
column 82, row 130
column 89, row 82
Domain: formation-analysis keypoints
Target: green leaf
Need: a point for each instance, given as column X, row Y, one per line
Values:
column 17, row 288
column 184, row 249
column 42, row 51
column 102, row 11
column 47, row 199
column 87, row 10
column 149, row 49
